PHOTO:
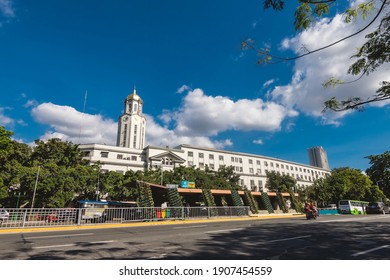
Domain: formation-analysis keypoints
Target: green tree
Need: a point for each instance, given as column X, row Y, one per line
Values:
column 59, row 152
column 379, row 171
column 370, row 56
column 280, row 183
column 5, row 140
column 14, row 157
column 322, row 193
column 343, row 183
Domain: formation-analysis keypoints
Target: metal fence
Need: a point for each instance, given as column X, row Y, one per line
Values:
column 47, row 217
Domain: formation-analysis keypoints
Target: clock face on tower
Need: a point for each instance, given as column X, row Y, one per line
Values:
column 125, row 118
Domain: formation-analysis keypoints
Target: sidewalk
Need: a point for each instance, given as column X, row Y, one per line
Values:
column 149, row 223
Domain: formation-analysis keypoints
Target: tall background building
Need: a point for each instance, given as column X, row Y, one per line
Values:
column 318, row 157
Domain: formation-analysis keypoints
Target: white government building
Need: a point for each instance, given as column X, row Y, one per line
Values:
column 131, row 153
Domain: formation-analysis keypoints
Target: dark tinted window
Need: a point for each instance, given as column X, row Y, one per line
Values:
column 373, row 204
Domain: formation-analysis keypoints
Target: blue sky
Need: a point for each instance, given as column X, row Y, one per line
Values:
column 199, row 87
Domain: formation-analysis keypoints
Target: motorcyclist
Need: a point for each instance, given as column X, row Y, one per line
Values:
column 311, row 210
column 314, row 209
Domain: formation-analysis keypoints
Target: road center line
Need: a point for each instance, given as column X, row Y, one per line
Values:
column 291, row 238
column 369, row 251
column 74, row 244
column 55, row 236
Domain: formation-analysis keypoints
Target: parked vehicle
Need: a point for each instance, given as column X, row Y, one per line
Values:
column 377, row 208
column 4, row 215
column 332, row 206
column 67, row 215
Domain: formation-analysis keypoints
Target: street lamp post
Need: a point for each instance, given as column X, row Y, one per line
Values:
column 98, row 187
column 35, row 188
column 162, row 174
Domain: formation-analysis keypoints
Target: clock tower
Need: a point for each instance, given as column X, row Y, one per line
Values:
column 131, row 124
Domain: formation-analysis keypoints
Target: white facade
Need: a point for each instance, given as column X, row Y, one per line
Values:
column 130, row 154
column 251, row 168
column 114, row 158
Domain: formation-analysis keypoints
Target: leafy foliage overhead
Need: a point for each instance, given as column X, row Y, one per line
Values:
column 370, row 56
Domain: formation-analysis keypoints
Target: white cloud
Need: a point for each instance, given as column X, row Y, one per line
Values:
column 6, row 8
column 163, row 136
column 305, row 91
column 69, row 124
column 258, row 142
column 268, row 83
column 30, row 103
column 209, row 115
column 183, row 88
column 5, row 120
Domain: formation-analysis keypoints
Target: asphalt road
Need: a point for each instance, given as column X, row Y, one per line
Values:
column 343, row 237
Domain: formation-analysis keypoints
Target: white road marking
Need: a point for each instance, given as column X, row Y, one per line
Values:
column 224, row 230
column 356, row 219
column 369, row 251
column 74, row 244
column 291, row 238
column 55, row 236
column 190, row 227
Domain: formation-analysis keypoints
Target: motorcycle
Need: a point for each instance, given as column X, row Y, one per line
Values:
column 311, row 215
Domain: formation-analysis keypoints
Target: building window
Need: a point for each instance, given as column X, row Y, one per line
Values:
column 220, row 157
column 201, row 165
column 240, row 160
column 201, row 155
column 265, row 163
column 212, row 166
column 250, row 161
column 211, row 156
column 251, row 170
column 104, row 154
column 125, row 135
column 135, row 142
column 272, row 164
column 232, row 159
column 119, row 156
column 190, row 154
column 134, row 158
column 135, row 129
column 259, row 171
column 258, row 162
column 86, row 153
column 190, row 163
column 252, row 182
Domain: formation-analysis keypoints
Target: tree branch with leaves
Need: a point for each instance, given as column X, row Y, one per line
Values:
column 371, row 55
